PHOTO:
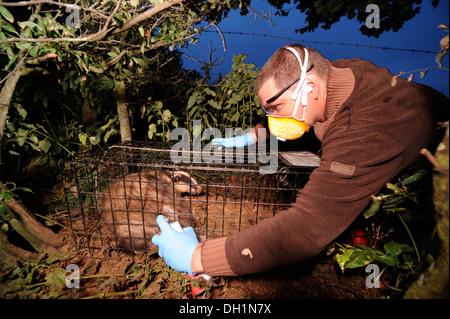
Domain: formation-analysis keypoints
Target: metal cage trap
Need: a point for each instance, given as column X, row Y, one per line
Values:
column 113, row 196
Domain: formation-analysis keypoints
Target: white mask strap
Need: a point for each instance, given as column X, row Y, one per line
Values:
column 295, row 96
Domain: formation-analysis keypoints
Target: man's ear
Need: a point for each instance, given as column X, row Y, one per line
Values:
column 313, row 81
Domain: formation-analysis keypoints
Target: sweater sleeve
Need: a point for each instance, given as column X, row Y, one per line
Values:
column 354, row 166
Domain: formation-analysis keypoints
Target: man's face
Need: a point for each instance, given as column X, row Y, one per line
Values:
column 283, row 105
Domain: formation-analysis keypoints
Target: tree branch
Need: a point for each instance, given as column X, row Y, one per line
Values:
column 100, row 34
column 29, row 3
column 146, row 15
column 221, row 34
column 438, row 166
column 56, row 3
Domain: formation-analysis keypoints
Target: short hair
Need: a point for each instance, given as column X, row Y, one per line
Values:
column 284, row 67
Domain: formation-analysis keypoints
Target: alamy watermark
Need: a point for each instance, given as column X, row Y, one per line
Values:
column 186, row 152
column 373, row 19
column 373, row 280
column 73, row 19
column 73, row 279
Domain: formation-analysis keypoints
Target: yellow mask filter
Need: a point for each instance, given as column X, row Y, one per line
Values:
column 287, row 128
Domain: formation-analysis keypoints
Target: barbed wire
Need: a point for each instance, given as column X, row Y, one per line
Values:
column 356, row 45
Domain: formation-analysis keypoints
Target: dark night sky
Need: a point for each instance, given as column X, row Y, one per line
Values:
column 419, row 33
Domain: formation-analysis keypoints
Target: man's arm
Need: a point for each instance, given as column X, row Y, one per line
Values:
column 260, row 135
column 196, row 263
column 351, row 170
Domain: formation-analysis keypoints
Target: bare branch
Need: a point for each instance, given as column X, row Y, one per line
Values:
column 438, row 166
column 22, row 56
column 221, row 34
column 108, row 21
column 264, row 15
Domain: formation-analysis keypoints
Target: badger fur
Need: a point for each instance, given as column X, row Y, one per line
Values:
column 130, row 206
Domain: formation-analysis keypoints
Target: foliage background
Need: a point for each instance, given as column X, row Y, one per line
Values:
column 118, row 78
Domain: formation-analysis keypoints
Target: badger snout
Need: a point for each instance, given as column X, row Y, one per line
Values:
column 185, row 183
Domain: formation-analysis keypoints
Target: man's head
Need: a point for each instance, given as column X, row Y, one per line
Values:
column 282, row 69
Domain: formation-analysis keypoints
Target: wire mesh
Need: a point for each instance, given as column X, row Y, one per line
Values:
column 113, row 196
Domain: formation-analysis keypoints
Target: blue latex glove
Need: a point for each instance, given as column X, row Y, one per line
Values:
column 237, row 141
column 175, row 247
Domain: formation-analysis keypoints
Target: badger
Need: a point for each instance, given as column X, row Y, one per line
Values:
column 130, row 206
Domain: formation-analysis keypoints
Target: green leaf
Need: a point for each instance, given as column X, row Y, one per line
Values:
column 151, row 131
column 94, row 140
column 143, row 62
column 388, row 260
column 12, row 59
column 415, row 177
column 214, row 104
column 108, row 134
column 44, row 145
column 58, row 277
column 192, row 100
column 4, row 227
column 359, row 258
column 22, row 112
column 342, row 259
column 104, row 127
column 235, row 117
column 23, row 45
column 6, row 26
column 393, row 201
column 373, row 208
column 2, row 210
column 25, row 189
column 158, row 105
column 393, row 248
column 166, row 116
column 141, row 31
column 6, row 14
column 409, row 258
column 55, row 257
column 34, row 51
column 118, row 19
column 210, row 92
column 6, row 196
column 370, row 250
column 29, row 24
column 83, row 138
column 108, row 84
column 395, row 188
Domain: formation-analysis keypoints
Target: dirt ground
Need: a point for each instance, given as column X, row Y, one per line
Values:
column 110, row 274
column 144, row 275
column 113, row 275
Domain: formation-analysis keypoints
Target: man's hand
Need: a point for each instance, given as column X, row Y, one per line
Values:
column 176, row 247
column 237, row 141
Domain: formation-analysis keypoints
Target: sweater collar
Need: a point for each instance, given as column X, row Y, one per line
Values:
column 341, row 82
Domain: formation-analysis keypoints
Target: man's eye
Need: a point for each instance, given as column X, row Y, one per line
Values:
column 275, row 108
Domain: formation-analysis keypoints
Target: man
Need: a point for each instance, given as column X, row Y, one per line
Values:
column 370, row 131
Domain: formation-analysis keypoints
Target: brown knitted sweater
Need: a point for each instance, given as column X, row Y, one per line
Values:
column 373, row 131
